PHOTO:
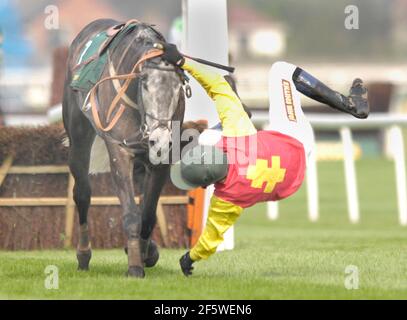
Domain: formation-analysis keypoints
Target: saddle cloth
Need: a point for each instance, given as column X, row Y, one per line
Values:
column 93, row 56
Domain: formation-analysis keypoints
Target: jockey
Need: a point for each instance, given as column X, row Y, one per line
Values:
column 249, row 166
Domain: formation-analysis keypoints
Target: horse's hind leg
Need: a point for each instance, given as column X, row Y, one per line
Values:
column 81, row 139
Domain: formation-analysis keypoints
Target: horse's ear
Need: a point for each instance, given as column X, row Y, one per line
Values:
column 158, row 33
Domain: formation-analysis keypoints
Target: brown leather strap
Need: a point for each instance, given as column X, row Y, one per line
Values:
column 96, row 118
column 117, row 85
column 128, row 22
column 149, row 55
column 127, row 77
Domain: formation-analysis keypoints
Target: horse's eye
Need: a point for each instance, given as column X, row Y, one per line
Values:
column 145, row 87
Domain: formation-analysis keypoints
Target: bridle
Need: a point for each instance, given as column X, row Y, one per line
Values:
column 160, row 122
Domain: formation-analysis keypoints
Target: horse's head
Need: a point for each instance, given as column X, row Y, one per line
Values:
column 160, row 89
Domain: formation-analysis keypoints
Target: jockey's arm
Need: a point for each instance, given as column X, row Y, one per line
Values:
column 234, row 119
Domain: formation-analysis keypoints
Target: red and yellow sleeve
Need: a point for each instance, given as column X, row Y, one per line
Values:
column 235, row 121
column 221, row 216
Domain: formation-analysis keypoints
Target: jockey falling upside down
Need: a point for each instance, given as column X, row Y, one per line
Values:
column 249, row 166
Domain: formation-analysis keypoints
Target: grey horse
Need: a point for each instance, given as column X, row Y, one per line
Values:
column 154, row 102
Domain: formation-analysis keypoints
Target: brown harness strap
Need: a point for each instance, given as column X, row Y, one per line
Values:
column 112, row 72
column 117, row 85
column 128, row 78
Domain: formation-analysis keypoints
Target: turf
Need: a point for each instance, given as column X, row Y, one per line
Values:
column 290, row 258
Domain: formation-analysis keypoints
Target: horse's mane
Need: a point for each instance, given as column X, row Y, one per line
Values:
column 147, row 31
column 139, row 39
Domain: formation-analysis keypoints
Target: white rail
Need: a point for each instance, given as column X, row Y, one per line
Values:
column 330, row 121
column 344, row 124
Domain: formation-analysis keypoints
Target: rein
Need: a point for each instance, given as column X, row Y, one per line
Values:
column 113, row 106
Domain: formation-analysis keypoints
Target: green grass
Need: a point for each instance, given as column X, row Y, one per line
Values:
column 290, row 258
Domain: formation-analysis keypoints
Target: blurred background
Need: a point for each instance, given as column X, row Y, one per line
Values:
column 310, row 34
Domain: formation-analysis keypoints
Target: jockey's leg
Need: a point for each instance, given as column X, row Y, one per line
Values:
column 285, row 114
column 355, row 104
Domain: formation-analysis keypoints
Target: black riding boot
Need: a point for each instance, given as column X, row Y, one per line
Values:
column 355, row 104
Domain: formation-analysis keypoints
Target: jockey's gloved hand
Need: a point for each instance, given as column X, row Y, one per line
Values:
column 172, row 55
column 186, row 264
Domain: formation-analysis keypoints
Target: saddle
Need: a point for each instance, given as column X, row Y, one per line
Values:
column 93, row 57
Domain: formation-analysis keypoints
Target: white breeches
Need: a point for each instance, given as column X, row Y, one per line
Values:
column 285, row 114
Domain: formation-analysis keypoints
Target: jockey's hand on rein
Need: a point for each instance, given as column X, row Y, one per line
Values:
column 186, row 264
column 172, row 55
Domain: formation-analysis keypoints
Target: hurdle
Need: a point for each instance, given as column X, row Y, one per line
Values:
column 344, row 124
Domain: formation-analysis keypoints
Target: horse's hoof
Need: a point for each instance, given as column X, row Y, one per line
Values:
column 83, row 259
column 153, row 255
column 136, row 272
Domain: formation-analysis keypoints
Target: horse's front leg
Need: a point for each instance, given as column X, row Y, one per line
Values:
column 154, row 182
column 121, row 163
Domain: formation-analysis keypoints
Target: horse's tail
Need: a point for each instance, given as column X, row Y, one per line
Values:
column 99, row 158
column 65, row 141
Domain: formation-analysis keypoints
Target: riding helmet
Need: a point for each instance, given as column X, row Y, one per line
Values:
column 200, row 166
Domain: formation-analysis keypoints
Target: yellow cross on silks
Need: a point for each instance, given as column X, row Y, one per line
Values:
column 261, row 173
